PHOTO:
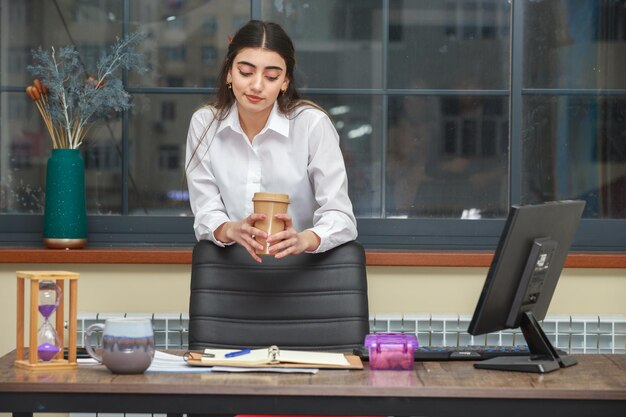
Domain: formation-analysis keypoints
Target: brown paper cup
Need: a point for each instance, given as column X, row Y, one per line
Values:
column 269, row 204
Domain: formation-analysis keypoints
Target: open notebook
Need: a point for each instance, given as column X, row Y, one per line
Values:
column 274, row 357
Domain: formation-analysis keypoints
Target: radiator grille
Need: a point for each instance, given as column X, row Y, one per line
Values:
column 571, row 333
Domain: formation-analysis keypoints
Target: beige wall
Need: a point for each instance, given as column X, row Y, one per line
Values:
column 165, row 288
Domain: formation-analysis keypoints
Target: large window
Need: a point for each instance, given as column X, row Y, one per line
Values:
column 448, row 112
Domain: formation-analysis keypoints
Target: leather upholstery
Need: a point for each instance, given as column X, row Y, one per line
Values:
column 309, row 301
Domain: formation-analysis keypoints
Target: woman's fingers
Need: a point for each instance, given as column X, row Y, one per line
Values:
column 286, row 218
column 288, row 231
column 246, row 232
column 252, row 253
column 284, row 248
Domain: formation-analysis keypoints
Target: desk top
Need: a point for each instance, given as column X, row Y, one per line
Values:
column 595, row 378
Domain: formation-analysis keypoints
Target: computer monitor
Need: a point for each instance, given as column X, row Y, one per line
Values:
column 524, row 272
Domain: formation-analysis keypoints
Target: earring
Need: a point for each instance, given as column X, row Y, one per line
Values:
column 230, row 85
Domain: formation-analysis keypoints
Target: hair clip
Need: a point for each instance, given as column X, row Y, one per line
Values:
column 230, row 39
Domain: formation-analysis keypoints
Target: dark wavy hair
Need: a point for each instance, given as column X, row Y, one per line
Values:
column 266, row 35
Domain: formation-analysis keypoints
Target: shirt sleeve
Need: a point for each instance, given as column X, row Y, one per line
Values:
column 204, row 194
column 334, row 220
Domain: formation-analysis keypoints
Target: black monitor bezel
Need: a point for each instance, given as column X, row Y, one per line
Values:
column 526, row 227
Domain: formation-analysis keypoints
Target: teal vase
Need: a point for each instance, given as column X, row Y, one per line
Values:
column 65, row 213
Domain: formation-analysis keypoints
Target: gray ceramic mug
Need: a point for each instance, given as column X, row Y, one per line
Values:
column 127, row 344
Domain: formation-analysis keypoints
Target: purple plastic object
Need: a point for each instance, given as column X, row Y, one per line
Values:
column 391, row 351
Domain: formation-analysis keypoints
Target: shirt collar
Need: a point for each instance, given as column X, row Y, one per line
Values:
column 277, row 121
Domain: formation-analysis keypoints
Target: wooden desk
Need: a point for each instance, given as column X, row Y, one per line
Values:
column 594, row 387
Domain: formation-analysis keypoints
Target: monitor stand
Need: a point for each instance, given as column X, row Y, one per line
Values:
column 543, row 356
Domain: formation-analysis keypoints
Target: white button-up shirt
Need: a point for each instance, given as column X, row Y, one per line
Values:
column 298, row 155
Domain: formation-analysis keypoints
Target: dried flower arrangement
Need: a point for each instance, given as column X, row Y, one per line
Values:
column 69, row 100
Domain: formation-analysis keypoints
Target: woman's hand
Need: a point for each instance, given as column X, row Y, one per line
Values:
column 289, row 241
column 243, row 233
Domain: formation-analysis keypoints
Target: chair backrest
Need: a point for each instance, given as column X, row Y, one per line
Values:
column 309, row 301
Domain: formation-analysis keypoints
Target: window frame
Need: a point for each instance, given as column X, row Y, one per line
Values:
column 594, row 235
column 375, row 234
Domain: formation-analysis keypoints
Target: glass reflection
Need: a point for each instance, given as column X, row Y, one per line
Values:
column 575, row 44
column 338, row 43
column 158, row 134
column 449, row 44
column 574, row 148
column 447, row 156
column 24, row 160
column 357, row 120
column 72, row 22
column 25, row 143
column 23, row 165
column 187, row 39
column 102, row 153
column 443, row 154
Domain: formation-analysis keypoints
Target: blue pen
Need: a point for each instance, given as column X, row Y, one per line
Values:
column 237, row 353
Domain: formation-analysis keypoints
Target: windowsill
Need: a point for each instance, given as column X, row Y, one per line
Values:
column 374, row 257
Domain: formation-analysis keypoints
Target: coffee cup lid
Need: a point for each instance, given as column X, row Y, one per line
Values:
column 279, row 198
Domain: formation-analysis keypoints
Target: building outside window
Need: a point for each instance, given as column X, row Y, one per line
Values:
column 209, row 55
column 169, row 157
column 18, row 59
column 441, row 107
column 168, row 110
column 21, row 154
column 209, row 25
column 174, row 53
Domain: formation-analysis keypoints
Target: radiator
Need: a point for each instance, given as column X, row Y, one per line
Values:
column 571, row 333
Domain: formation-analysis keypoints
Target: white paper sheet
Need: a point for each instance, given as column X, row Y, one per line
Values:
column 162, row 362
column 275, row 370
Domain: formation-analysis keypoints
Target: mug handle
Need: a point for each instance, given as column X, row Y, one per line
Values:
column 87, row 342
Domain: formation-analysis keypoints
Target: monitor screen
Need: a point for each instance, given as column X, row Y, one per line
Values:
column 522, row 278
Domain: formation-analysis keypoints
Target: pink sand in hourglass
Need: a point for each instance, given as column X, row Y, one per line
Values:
column 47, row 351
column 46, row 310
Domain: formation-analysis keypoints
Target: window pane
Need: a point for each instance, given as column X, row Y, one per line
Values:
column 447, row 155
column 29, row 24
column 575, row 44
column 102, row 152
column 25, row 142
column 158, row 136
column 338, row 43
column 28, row 144
column 358, row 122
column 187, row 39
column 412, row 151
column 25, row 149
column 574, row 147
column 449, row 44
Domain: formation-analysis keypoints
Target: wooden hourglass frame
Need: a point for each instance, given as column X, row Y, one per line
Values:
column 32, row 362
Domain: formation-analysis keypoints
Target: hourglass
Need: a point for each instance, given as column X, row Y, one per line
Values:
column 47, row 299
column 48, row 342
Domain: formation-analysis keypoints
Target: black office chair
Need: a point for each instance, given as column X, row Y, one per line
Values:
column 309, row 301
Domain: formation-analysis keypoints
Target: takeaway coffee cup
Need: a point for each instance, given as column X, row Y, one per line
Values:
column 127, row 344
column 269, row 204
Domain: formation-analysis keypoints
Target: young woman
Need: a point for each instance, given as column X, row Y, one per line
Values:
column 261, row 136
